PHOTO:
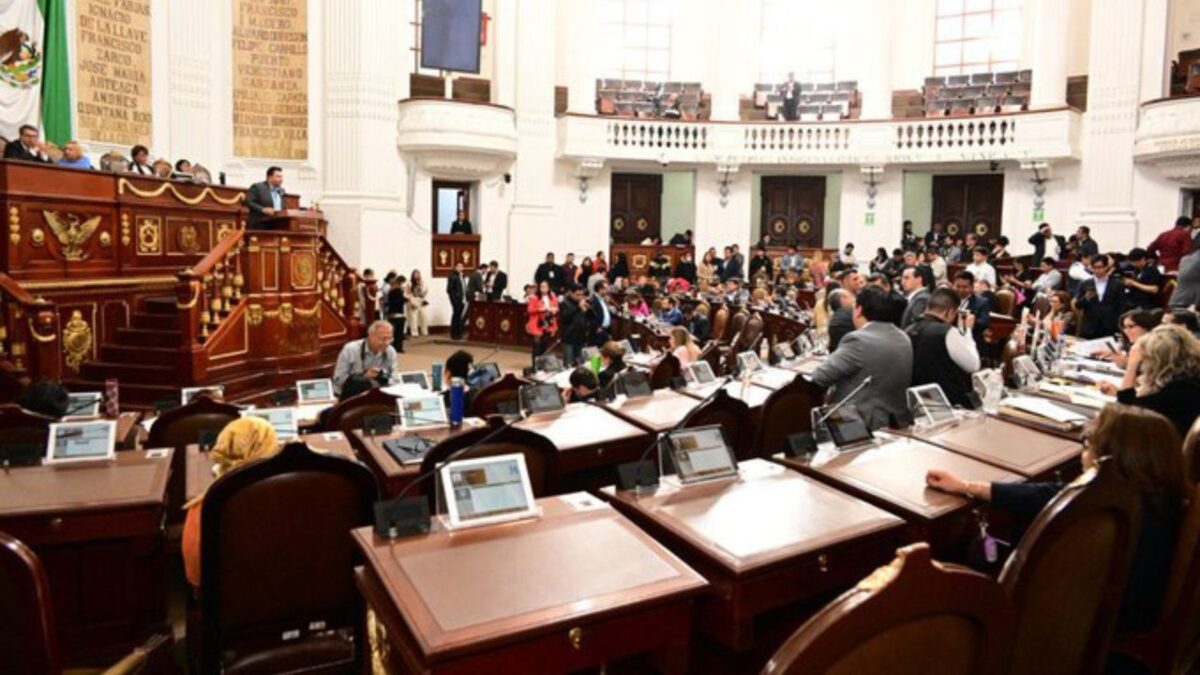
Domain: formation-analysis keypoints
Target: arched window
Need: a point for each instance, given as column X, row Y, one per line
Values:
column 976, row 36
column 797, row 36
column 636, row 39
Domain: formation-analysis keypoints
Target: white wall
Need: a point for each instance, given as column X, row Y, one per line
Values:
column 918, row 200
column 1184, row 30
column 678, row 203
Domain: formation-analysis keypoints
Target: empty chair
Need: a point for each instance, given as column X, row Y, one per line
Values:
column 936, row 109
column 840, row 97
column 834, row 111
column 29, row 643
column 1025, row 76
column 972, row 91
column 935, row 81
column 719, row 324
column 785, row 412
column 751, row 332
column 1012, row 103
column 998, row 91
column 541, row 457
column 949, row 93
column 689, row 105
column 1073, row 562
column 1021, row 89
column 180, row 427
column 734, row 418
column 981, row 78
column 961, row 107
column 737, row 324
column 958, row 80
column 809, row 113
column 761, row 91
column 825, row 86
column 1006, row 300
column 624, row 108
column 353, row 412
column 264, row 537
column 912, row 616
column 1006, row 77
column 848, row 85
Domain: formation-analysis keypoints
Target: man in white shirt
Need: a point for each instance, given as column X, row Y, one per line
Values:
column 1079, row 272
column 980, row 267
column 1050, row 279
column 937, row 264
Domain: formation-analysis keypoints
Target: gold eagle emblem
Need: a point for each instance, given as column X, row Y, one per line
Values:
column 72, row 231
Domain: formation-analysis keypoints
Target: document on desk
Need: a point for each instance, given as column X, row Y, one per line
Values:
column 1040, row 407
column 1083, row 396
column 1089, row 347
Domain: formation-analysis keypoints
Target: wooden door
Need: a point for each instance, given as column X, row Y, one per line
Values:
column 636, row 211
column 969, row 203
column 793, row 210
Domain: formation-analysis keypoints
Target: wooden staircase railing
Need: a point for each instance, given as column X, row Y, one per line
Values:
column 29, row 337
column 339, row 287
column 209, row 291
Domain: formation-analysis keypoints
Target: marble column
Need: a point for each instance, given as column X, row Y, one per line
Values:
column 1051, row 29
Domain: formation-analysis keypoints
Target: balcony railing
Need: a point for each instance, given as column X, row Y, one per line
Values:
column 1168, row 138
column 1044, row 135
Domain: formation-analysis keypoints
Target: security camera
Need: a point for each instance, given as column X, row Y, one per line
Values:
column 508, row 178
column 993, row 165
column 664, row 162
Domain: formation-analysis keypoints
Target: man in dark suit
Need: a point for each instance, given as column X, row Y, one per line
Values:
column 27, row 148
column 916, row 293
column 549, row 273
column 265, row 200
column 1040, row 239
column 1084, row 242
column 475, row 283
column 496, row 282
column 791, row 98
column 601, row 314
column 456, row 289
column 461, row 225
column 841, row 316
column 1102, row 299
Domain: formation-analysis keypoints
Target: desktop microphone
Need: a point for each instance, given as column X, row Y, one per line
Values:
column 410, row 515
column 629, row 474
column 82, row 406
column 862, row 385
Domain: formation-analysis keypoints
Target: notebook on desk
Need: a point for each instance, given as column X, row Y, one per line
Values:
column 409, row 449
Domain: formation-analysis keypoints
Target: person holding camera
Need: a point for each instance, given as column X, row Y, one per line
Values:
column 542, row 308
column 372, row 357
column 944, row 350
column 574, row 312
column 418, row 294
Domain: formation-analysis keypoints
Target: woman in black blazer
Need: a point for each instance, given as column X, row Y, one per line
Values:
column 1147, row 452
column 1163, row 374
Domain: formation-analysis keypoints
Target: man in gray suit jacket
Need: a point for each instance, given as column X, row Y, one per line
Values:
column 265, row 200
column 875, row 349
column 1187, row 293
column 916, row 291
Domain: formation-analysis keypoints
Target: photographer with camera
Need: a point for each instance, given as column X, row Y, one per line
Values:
column 372, row 357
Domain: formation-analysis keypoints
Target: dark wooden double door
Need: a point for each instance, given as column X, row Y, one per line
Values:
column 969, row 203
column 636, row 211
column 793, row 210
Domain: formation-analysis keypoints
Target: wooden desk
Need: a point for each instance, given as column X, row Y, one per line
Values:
column 660, row 411
column 200, row 467
column 97, row 527
column 805, row 365
column 591, row 441
column 1010, row 446
column 573, row 589
column 773, row 378
column 891, row 475
column 751, row 394
column 770, row 538
column 393, row 476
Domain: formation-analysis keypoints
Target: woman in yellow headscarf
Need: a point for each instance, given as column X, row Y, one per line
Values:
column 243, row 440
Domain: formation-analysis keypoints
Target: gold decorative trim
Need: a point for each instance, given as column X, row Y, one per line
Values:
column 105, row 240
column 126, row 236
column 37, row 237
column 37, row 336
column 254, row 314
column 14, row 225
column 149, row 232
column 191, row 303
column 77, row 340
column 124, row 184
column 97, row 283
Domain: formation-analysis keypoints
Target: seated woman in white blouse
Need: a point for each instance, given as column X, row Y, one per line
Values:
column 683, row 347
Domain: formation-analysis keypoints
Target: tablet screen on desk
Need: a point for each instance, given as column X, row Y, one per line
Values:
column 748, row 362
column 422, row 412
column 487, row 490
column 282, row 419
column 83, row 405
column 314, row 391
column 541, row 398
column 416, row 377
column 635, row 384
column 483, row 375
column 929, row 403
column 699, row 372
column 78, row 441
column 189, row 393
column 700, row 454
column 548, row 363
column 847, row 427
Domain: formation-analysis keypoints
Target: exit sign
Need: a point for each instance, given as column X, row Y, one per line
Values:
column 870, row 219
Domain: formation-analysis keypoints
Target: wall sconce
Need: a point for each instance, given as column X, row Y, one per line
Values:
column 872, row 181
column 724, row 171
column 589, row 167
column 1041, row 176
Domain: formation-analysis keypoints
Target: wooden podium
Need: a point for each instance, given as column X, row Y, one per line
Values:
column 451, row 249
column 298, row 220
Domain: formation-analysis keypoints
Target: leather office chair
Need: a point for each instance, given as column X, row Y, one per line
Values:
column 1191, row 452
column 541, row 457
column 1073, row 562
column 352, row 412
column 786, row 411
column 733, row 415
column 751, row 332
column 666, row 370
column 180, row 427
column 736, row 324
column 914, row 616
column 719, row 324
column 1005, row 301
column 488, row 400
column 18, row 426
column 276, row 558
column 29, row 643
column 1173, row 644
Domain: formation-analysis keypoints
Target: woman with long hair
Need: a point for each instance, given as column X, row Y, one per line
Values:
column 708, row 271
column 1058, row 311
column 683, row 347
column 417, row 302
column 586, row 269
column 1146, row 451
column 1163, row 374
column 1134, row 324
column 542, row 325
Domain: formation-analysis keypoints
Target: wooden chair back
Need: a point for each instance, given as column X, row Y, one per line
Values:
column 786, row 411
column 720, row 323
column 504, row 390
column 1191, row 452
column 350, row 414
column 1006, row 300
column 29, row 642
column 276, row 561
column 751, row 332
column 1076, row 321
column 18, row 426
column 914, row 616
column 180, row 427
column 664, row 372
column 1073, row 562
column 733, row 415
column 736, row 325
column 541, row 457
column 1173, row 644
column 712, row 354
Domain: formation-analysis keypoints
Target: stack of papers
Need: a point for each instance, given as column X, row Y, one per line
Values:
column 1042, row 410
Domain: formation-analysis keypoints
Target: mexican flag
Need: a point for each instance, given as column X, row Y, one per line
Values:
column 34, row 84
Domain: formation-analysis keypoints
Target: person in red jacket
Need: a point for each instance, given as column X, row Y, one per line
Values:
column 1172, row 245
column 542, row 308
